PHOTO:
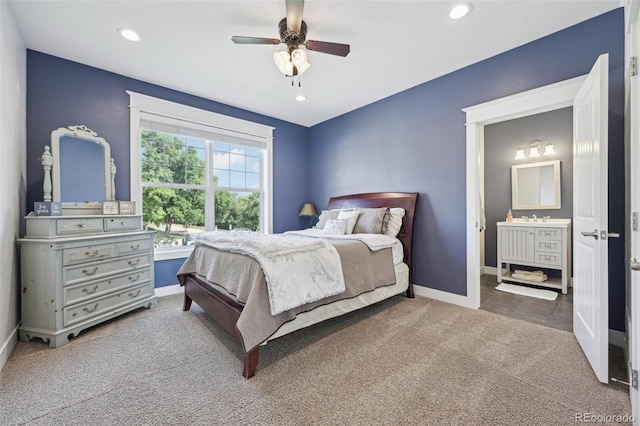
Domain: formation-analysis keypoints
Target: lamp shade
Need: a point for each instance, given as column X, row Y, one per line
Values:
column 308, row 210
column 548, row 149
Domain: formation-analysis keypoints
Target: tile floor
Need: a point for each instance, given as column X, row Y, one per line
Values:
column 555, row 314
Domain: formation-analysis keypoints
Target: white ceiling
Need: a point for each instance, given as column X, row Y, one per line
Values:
column 186, row 45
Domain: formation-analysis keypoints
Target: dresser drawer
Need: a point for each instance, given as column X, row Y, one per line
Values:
column 92, row 289
column 549, row 246
column 106, row 304
column 91, row 271
column 549, row 234
column 87, row 254
column 75, row 226
column 133, row 247
column 552, row 259
column 123, row 223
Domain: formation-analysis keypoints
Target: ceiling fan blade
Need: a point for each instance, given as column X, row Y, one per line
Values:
column 337, row 49
column 254, row 40
column 294, row 14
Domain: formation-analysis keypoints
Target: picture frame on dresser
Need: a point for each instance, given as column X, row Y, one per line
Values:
column 110, row 207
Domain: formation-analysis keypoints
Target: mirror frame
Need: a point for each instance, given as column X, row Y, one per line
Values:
column 515, row 205
column 84, row 133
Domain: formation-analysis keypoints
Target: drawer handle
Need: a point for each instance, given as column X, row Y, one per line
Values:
column 89, row 310
column 135, row 295
column 136, row 247
column 93, row 290
column 92, row 253
column 134, row 262
column 82, row 225
column 137, row 277
column 95, row 269
column 123, row 222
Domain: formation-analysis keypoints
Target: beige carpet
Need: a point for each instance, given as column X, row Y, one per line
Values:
column 415, row 362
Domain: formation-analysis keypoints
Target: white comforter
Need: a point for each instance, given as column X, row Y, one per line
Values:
column 297, row 270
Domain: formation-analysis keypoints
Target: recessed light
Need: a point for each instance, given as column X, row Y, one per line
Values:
column 301, row 98
column 129, row 34
column 459, row 11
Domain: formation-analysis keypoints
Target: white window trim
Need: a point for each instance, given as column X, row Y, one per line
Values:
column 143, row 103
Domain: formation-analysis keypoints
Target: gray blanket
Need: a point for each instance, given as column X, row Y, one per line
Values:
column 364, row 270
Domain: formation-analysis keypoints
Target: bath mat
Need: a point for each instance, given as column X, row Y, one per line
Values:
column 528, row 291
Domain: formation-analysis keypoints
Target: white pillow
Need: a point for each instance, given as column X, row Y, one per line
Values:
column 335, row 226
column 352, row 217
column 395, row 221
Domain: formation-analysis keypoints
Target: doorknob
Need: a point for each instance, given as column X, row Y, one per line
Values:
column 593, row 234
column 635, row 265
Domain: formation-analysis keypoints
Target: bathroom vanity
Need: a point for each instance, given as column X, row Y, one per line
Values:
column 544, row 245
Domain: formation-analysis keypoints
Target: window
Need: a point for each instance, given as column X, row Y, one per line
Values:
column 194, row 171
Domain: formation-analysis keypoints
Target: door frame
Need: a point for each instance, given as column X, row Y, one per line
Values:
column 543, row 99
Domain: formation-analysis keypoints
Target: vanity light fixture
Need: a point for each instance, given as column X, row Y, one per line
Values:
column 459, row 11
column 534, row 150
column 548, row 149
column 129, row 34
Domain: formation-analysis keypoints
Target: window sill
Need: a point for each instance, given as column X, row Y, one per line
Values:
column 172, row 253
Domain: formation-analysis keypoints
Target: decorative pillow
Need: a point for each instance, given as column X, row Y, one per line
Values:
column 335, row 226
column 352, row 217
column 370, row 221
column 326, row 215
column 392, row 221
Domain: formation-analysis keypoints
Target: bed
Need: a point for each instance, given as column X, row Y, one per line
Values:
column 221, row 300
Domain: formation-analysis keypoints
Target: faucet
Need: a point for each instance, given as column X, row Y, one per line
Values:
column 526, row 218
column 544, row 218
column 535, row 219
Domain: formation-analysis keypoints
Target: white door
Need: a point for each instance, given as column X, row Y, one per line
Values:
column 633, row 304
column 590, row 219
column 633, row 290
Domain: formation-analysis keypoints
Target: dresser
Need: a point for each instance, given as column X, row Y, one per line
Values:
column 79, row 271
column 543, row 245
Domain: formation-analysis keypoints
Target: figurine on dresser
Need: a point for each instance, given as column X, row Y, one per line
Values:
column 81, row 267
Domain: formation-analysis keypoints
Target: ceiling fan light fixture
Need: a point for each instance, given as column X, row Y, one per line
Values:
column 281, row 59
column 299, row 57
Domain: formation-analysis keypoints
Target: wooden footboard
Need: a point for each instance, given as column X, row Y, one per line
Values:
column 223, row 310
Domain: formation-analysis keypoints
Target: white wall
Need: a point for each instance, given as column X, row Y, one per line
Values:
column 13, row 141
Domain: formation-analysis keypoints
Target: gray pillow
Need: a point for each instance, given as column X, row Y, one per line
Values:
column 370, row 221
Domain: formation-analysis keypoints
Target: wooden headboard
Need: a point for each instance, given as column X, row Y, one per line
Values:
column 406, row 200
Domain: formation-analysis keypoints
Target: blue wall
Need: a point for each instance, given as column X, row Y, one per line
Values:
column 415, row 141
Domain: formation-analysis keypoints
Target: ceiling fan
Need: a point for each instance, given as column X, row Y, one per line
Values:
column 293, row 33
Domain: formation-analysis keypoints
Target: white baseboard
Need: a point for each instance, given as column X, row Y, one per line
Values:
column 8, row 346
column 168, row 290
column 443, row 296
column 490, row 270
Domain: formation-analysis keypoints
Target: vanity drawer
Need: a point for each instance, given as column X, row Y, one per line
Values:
column 123, row 223
column 76, row 226
column 549, row 234
column 549, row 246
column 554, row 259
column 132, row 247
column 78, row 293
column 87, row 254
column 106, row 304
column 81, row 273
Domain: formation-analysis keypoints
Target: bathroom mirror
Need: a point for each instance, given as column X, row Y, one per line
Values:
column 82, row 171
column 535, row 186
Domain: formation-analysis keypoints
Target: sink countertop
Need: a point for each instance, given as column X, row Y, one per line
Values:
column 553, row 222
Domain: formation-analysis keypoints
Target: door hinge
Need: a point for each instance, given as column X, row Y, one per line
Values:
column 633, row 66
column 634, row 221
column 634, row 379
